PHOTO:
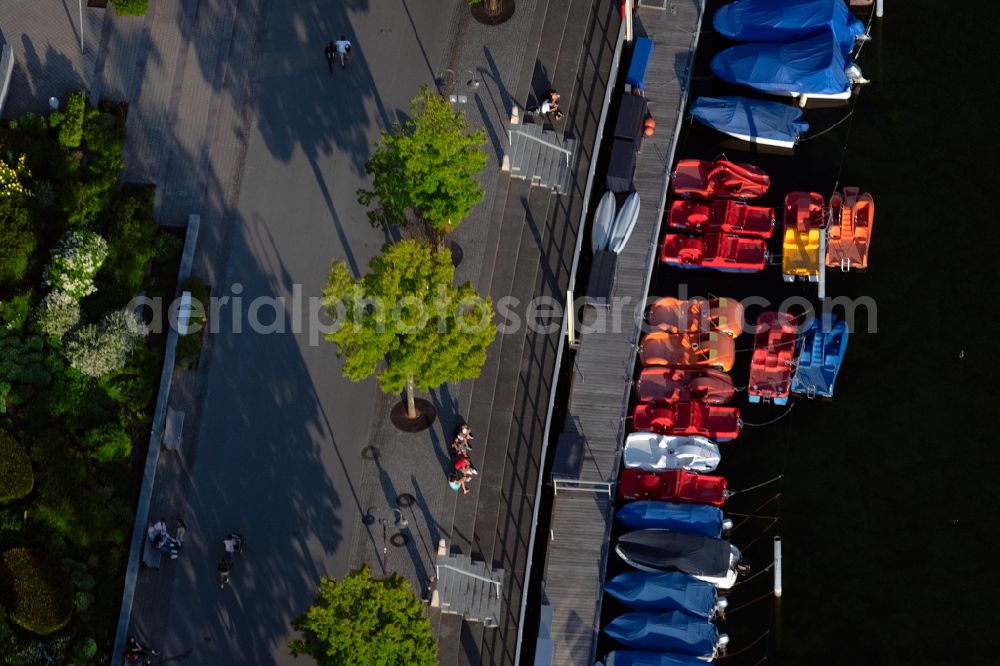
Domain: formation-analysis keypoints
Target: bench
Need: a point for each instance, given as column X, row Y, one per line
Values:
column 642, row 53
column 151, row 556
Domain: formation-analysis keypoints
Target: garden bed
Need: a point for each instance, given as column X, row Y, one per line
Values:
column 78, row 376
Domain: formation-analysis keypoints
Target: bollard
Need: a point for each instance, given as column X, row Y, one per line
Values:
column 777, row 567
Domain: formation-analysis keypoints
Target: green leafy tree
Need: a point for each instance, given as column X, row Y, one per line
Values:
column 364, row 620
column 57, row 314
column 426, row 166
column 99, row 350
column 406, row 323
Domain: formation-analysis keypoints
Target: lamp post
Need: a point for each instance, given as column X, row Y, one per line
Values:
column 80, row 3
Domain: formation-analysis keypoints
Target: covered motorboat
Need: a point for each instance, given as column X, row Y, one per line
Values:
column 643, row 658
column 757, row 121
column 851, row 217
column 715, row 180
column 701, row 519
column 723, row 215
column 728, row 253
column 667, row 386
column 788, row 21
column 688, row 418
column 674, row 631
column 675, row 485
column 668, row 591
column 814, row 67
column 688, row 350
column 800, row 248
column 773, row 356
column 708, row 559
column 823, row 346
column 649, row 451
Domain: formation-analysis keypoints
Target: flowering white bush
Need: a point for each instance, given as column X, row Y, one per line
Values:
column 100, row 350
column 75, row 261
column 58, row 313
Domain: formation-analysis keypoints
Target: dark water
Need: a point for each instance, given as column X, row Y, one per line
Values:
column 888, row 501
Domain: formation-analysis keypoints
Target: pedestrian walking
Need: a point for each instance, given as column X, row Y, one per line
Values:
column 225, row 566
column 180, row 530
column 330, row 52
column 343, row 46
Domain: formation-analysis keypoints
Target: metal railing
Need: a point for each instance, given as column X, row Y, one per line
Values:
column 510, row 138
column 485, row 579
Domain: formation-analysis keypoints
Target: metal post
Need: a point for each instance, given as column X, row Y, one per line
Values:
column 570, row 323
column 628, row 20
column 81, row 24
column 822, row 261
column 878, row 8
column 777, row 567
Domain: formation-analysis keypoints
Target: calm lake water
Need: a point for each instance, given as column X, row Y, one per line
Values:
column 887, row 506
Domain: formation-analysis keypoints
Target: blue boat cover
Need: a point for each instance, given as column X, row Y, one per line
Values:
column 690, row 518
column 673, row 632
column 642, row 590
column 814, row 66
column 787, row 21
column 751, row 117
column 823, row 346
column 639, row 658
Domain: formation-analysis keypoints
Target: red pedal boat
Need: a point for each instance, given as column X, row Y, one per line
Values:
column 720, row 252
column 675, row 485
column 667, row 386
column 851, row 218
column 672, row 315
column 773, row 353
column 725, row 215
column 688, row 350
column 687, row 418
column 713, row 180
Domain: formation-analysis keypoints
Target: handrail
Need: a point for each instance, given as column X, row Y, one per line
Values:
column 565, row 151
column 615, row 63
column 470, row 574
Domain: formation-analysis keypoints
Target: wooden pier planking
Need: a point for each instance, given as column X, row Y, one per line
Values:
column 577, row 544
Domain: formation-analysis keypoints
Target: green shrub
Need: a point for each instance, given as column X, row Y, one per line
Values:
column 108, row 443
column 97, row 351
column 130, row 235
column 15, row 311
column 22, row 368
column 18, row 239
column 167, row 247
column 189, row 346
column 130, row 7
column 16, row 476
column 70, row 500
column 37, row 594
column 71, row 123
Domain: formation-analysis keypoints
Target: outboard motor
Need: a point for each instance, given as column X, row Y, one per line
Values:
column 721, row 604
column 853, row 73
column 727, row 525
column 722, row 645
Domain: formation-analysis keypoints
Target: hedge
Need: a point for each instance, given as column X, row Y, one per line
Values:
column 38, row 596
column 130, row 7
column 16, row 477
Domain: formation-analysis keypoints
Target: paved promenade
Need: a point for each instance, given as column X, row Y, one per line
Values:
column 234, row 115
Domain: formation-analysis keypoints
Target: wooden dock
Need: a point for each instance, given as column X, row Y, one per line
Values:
column 587, row 454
